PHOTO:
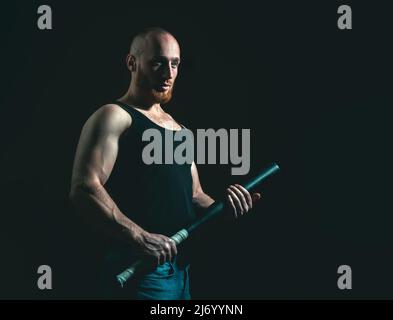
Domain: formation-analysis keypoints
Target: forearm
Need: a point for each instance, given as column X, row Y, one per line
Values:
column 203, row 200
column 98, row 209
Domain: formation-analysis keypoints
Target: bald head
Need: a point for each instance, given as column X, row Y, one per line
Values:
column 150, row 40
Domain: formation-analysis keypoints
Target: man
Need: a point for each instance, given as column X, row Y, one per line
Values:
column 142, row 205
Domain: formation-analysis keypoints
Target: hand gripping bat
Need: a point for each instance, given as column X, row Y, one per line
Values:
column 214, row 210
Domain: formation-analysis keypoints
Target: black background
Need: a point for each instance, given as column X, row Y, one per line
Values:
column 317, row 100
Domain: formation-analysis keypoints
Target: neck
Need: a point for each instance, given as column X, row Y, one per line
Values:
column 132, row 97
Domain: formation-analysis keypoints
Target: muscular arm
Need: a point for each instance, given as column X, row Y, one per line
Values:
column 94, row 160
column 199, row 197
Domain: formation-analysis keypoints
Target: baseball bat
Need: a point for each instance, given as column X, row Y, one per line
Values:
column 214, row 210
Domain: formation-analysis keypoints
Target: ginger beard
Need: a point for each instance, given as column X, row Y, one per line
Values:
column 149, row 89
column 162, row 97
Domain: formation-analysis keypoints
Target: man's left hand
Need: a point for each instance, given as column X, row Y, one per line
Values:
column 239, row 200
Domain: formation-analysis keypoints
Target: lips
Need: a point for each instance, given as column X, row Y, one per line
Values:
column 163, row 86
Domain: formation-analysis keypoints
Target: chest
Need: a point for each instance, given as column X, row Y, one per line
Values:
column 163, row 120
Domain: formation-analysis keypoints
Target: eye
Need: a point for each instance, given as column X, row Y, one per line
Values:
column 156, row 63
column 174, row 65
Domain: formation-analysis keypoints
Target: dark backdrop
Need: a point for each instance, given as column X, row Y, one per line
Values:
column 317, row 101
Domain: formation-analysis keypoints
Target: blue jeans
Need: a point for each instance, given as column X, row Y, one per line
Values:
column 169, row 281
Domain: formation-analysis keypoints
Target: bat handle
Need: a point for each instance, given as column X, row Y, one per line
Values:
column 180, row 236
column 123, row 277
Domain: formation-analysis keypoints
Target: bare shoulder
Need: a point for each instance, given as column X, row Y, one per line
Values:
column 110, row 118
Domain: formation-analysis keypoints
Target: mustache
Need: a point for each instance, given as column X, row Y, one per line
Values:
column 165, row 83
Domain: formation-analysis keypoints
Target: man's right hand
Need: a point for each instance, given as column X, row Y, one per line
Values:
column 157, row 247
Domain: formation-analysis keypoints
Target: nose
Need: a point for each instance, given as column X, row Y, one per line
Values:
column 168, row 71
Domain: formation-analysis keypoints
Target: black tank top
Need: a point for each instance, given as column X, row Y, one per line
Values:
column 158, row 197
